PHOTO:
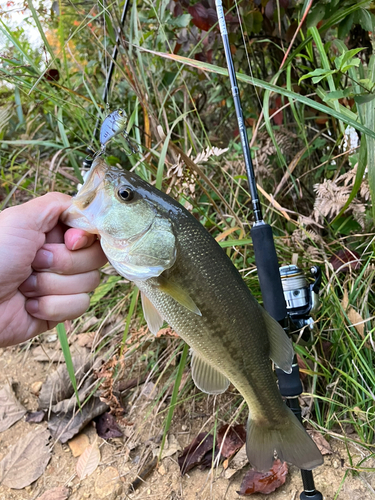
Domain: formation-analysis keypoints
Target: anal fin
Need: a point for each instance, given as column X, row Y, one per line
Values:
column 207, row 378
column 151, row 314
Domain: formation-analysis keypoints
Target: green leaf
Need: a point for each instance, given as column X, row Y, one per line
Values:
column 366, row 20
column 346, row 56
column 103, row 289
column 338, row 94
column 317, row 75
column 345, row 225
column 345, row 26
column 316, row 14
column 362, row 99
column 181, row 21
column 317, row 79
column 353, row 63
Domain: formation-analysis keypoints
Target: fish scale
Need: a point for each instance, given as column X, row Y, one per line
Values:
column 187, row 280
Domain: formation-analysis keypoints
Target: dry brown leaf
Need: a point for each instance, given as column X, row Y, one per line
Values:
column 58, row 386
column 264, row 482
column 59, row 493
column 354, row 317
column 321, row 443
column 88, row 461
column 235, row 464
column 11, row 409
column 27, row 459
column 78, row 444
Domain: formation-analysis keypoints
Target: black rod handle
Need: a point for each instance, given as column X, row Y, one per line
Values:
column 268, row 271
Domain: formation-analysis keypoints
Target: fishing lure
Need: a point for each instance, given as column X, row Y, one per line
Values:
column 114, row 124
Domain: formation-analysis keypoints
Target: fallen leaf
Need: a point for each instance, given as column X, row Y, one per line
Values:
column 143, row 474
column 230, row 439
column 106, row 426
column 88, row 461
column 11, row 409
column 66, row 424
column 354, row 317
column 195, row 452
column 27, row 459
column 59, row 493
column 171, row 446
column 35, row 417
column 58, row 386
column 148, row 390
column 108, row 483
column 47, row 354
column 78, row 444
column 86, row 339
column 322, row 444
column 345, row 259
column 235, row 464
column 264, row 482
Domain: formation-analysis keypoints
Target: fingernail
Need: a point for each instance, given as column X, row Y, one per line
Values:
column 43, row 259
column 81, row 242
column 29, row 285
column 32, row 306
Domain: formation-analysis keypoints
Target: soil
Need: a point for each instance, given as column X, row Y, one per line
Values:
column 122, row 458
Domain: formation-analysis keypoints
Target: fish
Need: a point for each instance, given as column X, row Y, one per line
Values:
column 188, row 281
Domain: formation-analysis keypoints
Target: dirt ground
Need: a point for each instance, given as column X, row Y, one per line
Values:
column 121, row 457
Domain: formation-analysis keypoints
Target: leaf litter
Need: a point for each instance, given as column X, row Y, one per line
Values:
column 26, row 460
column 59, row 493
column 65, row 419
column 11, row 409
column 107, row 427
column 88, row 461
column 264, row 482
column 231, row 445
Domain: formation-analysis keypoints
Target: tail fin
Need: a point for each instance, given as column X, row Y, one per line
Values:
column 290, row 441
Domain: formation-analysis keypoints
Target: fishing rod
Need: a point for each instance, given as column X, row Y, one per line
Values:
column 87, row 162
column 267, row 264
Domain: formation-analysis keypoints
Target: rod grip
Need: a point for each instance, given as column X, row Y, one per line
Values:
column 268, row 271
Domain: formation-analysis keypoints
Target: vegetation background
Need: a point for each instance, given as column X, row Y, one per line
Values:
column 306, row 72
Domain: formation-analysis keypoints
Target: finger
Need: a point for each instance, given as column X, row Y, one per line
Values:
column 58, row 259
column 75, row 239
column 40, row 284
column 58, row 307
column 56, row 235
column 40, row 214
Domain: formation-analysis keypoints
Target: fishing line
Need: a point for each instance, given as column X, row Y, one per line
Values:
column 247, row 53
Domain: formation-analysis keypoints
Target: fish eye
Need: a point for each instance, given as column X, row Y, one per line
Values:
column 125, row 193
column 120, row 112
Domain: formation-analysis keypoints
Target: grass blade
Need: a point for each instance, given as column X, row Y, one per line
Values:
column 63, row 339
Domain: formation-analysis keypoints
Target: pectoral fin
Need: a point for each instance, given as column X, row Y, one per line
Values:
column 178, row 294
column 207, row 378
column 151, row 314
column 281, row 347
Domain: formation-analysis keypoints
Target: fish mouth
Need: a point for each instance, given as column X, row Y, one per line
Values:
column 86, row 203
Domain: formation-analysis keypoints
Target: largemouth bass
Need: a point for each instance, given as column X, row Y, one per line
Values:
column 187, row 280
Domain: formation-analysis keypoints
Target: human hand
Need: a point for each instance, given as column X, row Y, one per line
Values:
column 46, row 271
